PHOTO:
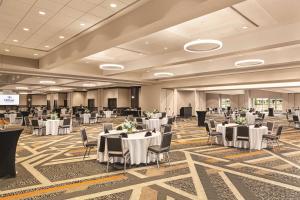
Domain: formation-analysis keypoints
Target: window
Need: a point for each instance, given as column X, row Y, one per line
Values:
column 225, row 103
column 276, row 104
column 263, row 104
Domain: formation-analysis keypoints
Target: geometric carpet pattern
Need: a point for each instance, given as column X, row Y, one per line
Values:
column 51, row 167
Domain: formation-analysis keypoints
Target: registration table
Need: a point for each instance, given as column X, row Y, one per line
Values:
column 11, row 117
column 255, row 135
column 52, row 126
column 137, row 144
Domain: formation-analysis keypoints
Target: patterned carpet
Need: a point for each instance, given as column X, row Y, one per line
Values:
column 51, row 167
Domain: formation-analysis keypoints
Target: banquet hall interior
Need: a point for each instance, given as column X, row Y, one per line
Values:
column 150, row 99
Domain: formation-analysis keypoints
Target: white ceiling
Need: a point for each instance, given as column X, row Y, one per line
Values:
column 65, row 18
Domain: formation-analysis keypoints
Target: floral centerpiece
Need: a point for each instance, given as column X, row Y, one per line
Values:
column 86, row 110
column 129, row 126
column 155, row 111
column 54, row 116
column 241, row 120
column 151, row 114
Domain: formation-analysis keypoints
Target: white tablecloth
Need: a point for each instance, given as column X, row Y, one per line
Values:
column 156, row 115
column 11, row 117
column 108, row 113
column 137, row 144
column 251, row 118
column 52, row 127
column 255, row 135
column 86, row 117
column 297, row 112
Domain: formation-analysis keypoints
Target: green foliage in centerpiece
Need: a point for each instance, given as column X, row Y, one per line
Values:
column 150, row 114
column 241, row 120
column 54, row 116
column 129, row 126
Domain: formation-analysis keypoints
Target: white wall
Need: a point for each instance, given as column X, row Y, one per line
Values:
column 150, row 97
column 39, row 99
column 184, row 98
column 124, row 97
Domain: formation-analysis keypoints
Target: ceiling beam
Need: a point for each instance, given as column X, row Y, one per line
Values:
column 150, row 17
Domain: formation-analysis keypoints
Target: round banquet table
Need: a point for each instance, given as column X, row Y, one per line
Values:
column 156, row 115
column 153, row 124
column 137, row 144
column 251, row 118
column 108, row 113
column 255, row 135
column 11, row 117
column 86, row 117
column 52, row 126
column 297, row 112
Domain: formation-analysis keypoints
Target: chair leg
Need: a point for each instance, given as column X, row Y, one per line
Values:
column 89, row 151
column 157, row 160
column 107, row 164
column 168, row 158
column 147, row 157
column 125, row 160
column 277, row 141
column 85, row 152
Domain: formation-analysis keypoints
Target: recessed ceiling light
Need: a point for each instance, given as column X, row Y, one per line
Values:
column 165, row 48
column 245, row 27
column 47, row 46
column 36, row 54
column 47, row 82
column 22, row 88
column 82, row 24
column 111, row 67
column 199, row 46
column 89, row 85
column 61, row 37
column 23, row 92
column 15, row 40
column 146, row 42
column 249, row 62
column 42, row 12
column 26, row 29
column 113, row 5
column 7, row 50
column 163, row 74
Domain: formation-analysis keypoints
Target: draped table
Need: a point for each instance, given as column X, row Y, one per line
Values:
column 108, row 113
column 11, row 117
column 86, row 117
column 250, row 118
column 137, row 144
column 52, row 126
column 255, row 137
column 155, row 123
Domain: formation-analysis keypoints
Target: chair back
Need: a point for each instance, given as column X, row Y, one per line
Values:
column 2, row 116
column 114, row 145
column 19, row 114
column 163, row 114
column 107, row 126
column 93, row 115
column 141, row 126
column 212, row 123
column 170, row 121
column 263, row 116
column 139, row 120
column 166, row 141
column 229, row 133
column 287, row 116
column 67, row 122
column 168, row 128
column 279, row 131
column 243, row 114
column 27, row 122
column 130, row 118
column 207, row 128
column 295, row 118
column 270, row 126
column 242, row 131
column 35, row 122
column 83, row 136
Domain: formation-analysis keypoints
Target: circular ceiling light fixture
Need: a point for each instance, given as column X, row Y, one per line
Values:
column 199, row 46
column 54, row 89
column 47, row 82
column 249, row 63
column 22, row 88
column 89, row 85
column 163, row 74
column 111, row 67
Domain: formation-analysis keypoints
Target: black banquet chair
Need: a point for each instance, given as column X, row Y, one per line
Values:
column 242, row 135
column 65, row 126
column 87, row 145
column 115, row 148
column 164, row 147
column 273, row 138
column 211, row 134
column 36, row 126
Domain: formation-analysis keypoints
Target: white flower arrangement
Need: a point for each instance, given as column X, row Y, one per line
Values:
column 241, row 120
column 54, row 116
column 128, row 125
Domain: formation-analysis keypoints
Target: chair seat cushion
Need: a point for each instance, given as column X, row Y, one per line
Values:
column 270, row 137
column 214, row 133
column 242, row 138
column 157, row 149
column 91, row 144
column 119, row 154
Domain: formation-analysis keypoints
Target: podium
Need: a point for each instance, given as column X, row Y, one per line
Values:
column 186, row 112
column 201, row 117
column 8, row 144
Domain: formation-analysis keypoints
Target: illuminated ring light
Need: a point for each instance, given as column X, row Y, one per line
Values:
column 47, row 82
column 211, row 45
column 89, row 85
column 249, row 63
column 111, row 67
column 163, row 74
column 54, row 89
column 22, row 88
